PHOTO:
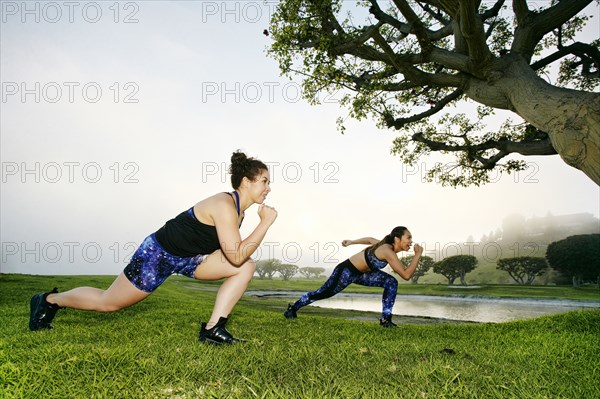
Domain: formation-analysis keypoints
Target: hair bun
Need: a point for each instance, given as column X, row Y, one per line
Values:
column 239, row 163
column 238, row 157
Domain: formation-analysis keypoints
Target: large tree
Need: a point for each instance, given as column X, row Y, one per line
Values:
column 577, row 257
column 287, row 271
column 425, row 263
column 267, row 268
column 456, row 266
column 523, row 269
column 311, row 272
column 401, row 62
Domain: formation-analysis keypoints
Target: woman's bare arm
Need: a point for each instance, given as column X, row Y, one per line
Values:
column 398, row 267
column 364, row 240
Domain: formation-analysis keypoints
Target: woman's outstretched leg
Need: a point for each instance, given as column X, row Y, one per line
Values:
column 120, row 294
column 343, row 275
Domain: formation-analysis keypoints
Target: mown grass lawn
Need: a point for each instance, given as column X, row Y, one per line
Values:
column 150, row 350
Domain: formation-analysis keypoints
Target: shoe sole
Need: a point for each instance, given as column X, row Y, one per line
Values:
column 33, row 304
column 213, row 342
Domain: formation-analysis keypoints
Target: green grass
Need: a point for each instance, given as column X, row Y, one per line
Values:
column 150, row 350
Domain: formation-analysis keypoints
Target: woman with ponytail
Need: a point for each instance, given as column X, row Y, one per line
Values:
column 202, row 242
column 364, row 268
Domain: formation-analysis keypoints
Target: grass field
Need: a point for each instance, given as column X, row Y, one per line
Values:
column 150, row 350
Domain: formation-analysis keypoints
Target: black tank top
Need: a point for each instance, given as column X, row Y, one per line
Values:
column 186, row 236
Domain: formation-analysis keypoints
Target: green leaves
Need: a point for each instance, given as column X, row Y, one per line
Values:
column 456, row 266
column 523, row 269
column 400, row 63
column 576, row 256
column 473, row 145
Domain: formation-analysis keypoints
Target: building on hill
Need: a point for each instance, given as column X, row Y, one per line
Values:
column 550, row 228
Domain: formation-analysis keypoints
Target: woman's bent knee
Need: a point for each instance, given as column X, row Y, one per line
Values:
column 248, row 269
column 250, row 265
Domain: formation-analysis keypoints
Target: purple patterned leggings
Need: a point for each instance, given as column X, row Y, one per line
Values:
column 345, row 274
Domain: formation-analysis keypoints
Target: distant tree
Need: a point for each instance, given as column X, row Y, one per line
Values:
column 454, row 267
column 425, row 263
column 311, row 272
column 267, row 268
column 523, row 269
column 484, row 239
column 287, row 271
column 576, row 257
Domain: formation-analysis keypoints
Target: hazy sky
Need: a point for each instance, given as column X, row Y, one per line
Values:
column 115, row 117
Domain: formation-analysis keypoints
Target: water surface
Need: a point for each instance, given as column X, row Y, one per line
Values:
column 452, row 307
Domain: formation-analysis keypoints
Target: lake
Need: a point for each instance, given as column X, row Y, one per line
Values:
column 451, row 307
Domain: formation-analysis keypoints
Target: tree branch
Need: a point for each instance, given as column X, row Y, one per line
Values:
column 504, row 147
column 493, row 12
column 405, row 29
column 471, row 27
column 553, row 17
column 450, row 7
column 582, row 50
column 330, row 23
column 416, row 25
column 368, row 33
column 436, row 15
column 442, row 33
column 521, row 11
column 391, row 87
column 400, row 122
column 407, row 69
column 432, row 3
column 533, row 26
column 450, row 59
column 388, row 19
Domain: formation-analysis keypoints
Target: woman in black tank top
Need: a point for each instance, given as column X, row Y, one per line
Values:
column 202, row 242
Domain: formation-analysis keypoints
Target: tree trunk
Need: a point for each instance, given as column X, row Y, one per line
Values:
column 570, row 117
column 530, row 279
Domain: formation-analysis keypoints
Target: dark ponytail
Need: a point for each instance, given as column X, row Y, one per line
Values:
column 242, row 166
column 397, row 231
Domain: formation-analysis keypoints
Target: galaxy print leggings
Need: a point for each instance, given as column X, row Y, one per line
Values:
column 345, row 274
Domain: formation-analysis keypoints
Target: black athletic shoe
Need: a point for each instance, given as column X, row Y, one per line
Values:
column 387, row 323
column 290, row 313
column 42, row 312
column 218, row 334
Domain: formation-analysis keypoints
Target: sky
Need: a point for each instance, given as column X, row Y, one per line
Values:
column 117, row 116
